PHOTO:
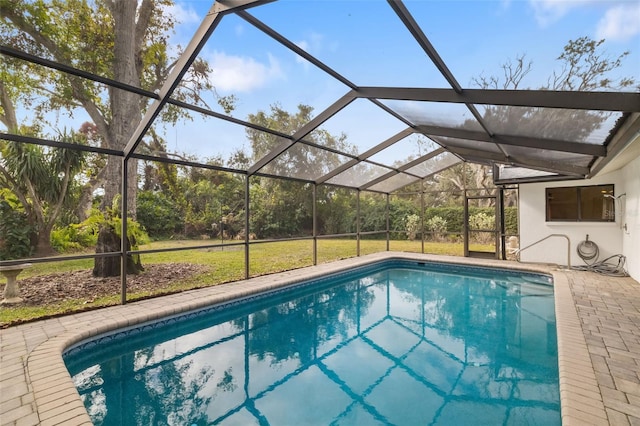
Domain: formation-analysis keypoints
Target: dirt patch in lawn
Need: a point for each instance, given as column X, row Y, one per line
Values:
column 82, row 285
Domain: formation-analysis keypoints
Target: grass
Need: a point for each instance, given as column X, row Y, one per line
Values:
column 224, row 265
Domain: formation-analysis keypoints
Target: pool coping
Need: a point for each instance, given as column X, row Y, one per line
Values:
column 52, row 398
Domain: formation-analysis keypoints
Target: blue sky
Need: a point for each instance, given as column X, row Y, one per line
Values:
column 365, row 41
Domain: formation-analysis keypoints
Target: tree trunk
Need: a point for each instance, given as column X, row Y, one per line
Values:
column 109, row 266
column 126, row 114
column 43, row 244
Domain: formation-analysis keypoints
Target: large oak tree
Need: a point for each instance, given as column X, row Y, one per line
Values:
column 123, row 40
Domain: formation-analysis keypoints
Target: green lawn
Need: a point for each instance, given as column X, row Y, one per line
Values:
column 223, row 265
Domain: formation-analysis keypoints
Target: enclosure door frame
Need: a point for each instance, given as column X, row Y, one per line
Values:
column 498, row 229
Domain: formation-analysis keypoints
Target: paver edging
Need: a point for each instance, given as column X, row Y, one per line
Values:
column 578, row 384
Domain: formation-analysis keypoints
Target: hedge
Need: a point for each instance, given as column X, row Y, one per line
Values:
column 455, row 217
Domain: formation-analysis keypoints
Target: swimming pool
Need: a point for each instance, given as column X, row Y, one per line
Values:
column 393, row 343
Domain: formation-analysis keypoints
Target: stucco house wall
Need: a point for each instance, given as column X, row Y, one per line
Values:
column 631, row 203
column 611, row 238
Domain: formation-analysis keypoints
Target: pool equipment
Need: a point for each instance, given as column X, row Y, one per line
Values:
column 589, row 252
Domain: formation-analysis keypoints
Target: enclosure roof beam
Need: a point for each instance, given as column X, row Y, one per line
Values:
column 202, row 34
column 294, row 47
column 620, row 137
column 430, row 175
column 208, row 112
column 405, row 16
column 304, row 131
column 335, row 172
column 19, row 54
column 58, row 144
column 597, row 101
column 422, row 159
column 379, row 179
column 403, row 169
column 522, row 141
column 385, row 144
column 475, row 155
column 415, row 30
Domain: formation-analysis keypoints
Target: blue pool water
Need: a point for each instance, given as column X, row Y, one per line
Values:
column 397, row 343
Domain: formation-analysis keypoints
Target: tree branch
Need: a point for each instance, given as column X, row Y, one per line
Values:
column 145, row 12
column 8, row 118
column 56, row 210
column 23, row 24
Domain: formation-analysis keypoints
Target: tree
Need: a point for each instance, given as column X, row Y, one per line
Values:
column 283, row 207
column 584, row 66
column 40, row 178
column 301, row 160
column 123, row 40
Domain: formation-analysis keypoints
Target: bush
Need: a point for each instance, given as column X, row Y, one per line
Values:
column 15, row 231
column 454, row 217
column 79, row 236
column 437, row 226
column 158, row 215
column 399, row 210
column 412, row 224
column 511, row 220
column 482, row 221
column 73, row 238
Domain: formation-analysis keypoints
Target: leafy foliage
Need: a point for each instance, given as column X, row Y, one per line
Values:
column 412, row 225
column 158, row 214
column 399, row 209
column 84, row 235
column 437, row 226
column 15, row 229
column 336, row 210
column 74, row 237
column 454, row 217
column 482, row 221
column 41, row 179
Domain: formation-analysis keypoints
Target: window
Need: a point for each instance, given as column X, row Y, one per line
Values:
column 581, row 204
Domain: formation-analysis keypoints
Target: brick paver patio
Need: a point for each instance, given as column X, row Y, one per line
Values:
column 609, row 311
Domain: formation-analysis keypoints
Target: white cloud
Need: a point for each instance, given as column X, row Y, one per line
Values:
column 183, row 15
column 620, row 23
column 187, row 20
column 549, row 11
column 314, row 45
column 304, row 45
column 242, row 74
column 620, row 18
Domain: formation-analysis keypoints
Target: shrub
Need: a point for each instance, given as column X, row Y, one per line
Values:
column 158, row 215
column 511, row 220
column 73, row 238
column 399, row 210
column 79, row 236
column 482, row 221
column 437, row 226
column 454, row 217
column 15, row 231
column 412, row 224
